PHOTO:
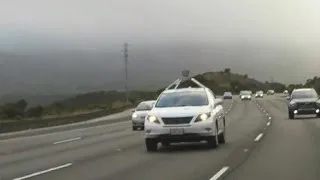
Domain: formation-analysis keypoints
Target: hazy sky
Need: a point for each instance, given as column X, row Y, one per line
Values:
column 286, row 21
column 283, row 36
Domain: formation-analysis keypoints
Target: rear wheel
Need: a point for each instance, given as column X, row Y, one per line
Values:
column 151, row 145
column 291, row 115
column 134, row 128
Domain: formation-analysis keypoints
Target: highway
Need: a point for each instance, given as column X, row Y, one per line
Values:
column 261, row 144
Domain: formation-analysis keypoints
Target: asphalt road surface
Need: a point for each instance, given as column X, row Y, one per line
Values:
column 261, row 144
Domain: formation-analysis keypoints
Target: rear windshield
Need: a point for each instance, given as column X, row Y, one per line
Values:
column 310, row 93
column 144, row 106
column 178, row 99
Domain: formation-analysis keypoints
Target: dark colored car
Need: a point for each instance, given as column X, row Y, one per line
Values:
column 227, row 95
column 303, row 101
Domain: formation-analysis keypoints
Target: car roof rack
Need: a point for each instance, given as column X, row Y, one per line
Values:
column 177, row 82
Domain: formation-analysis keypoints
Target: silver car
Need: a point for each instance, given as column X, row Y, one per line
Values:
column 140, row 113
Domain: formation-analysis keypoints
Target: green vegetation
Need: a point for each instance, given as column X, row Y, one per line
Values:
column 219, row 82
column 80, row 104
column 310, row 83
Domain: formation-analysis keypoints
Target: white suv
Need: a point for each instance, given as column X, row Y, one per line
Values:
column 185, row 115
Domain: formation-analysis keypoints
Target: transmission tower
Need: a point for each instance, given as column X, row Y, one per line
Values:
column 125, row 57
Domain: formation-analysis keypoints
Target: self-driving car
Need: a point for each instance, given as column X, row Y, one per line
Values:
column 185, row 115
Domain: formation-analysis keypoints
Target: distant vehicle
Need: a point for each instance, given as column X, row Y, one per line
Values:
column 185, row 115
column 304, row 101
column 259, row 94
column 140, row 114
column 286, row 92
column 270, row 92
column 245, row 95
column 227, row 95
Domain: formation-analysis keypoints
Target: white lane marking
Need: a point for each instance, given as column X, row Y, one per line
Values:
column 246, row 150
column 65, row 131
column 67, row 140
column 269, row 117
column 258, row 137
column 268, row 124
column 219, row 173
column 43, row 172
column 267, row 114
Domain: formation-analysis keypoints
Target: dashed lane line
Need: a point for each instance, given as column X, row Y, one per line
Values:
column 219, row 173
column 43, row 172
column 258, row 137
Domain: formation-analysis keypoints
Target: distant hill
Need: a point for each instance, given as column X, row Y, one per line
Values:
column 223, row 81
column 34, row 99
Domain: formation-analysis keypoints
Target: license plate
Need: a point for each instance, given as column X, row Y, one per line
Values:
column 176, row 131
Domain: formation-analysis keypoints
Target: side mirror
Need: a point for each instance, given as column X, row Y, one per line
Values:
column 288, row 97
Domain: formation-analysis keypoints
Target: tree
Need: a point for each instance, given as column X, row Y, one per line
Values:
column 245, row 76
column 36, row 111
column 227, row 70
column 21, row 104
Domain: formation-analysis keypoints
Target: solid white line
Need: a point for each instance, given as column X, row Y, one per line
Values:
column 258, row 137
column 219, row 173
column 67, row 140
column 268, row 124
column 43, row 172
column 66, row 131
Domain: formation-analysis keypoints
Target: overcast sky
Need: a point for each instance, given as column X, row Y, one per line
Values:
column 93, row 32
column 285, row 21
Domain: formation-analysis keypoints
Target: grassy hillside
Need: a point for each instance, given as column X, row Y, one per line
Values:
column 223, row 81
column 219, row 82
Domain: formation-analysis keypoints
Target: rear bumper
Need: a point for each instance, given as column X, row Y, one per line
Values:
column 245, row 98
column 227, row 97
column 138, row 123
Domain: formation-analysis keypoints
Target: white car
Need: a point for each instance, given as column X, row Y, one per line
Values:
column 259, row 94
column 140, row 113
column 185, row 115
column 245, row 95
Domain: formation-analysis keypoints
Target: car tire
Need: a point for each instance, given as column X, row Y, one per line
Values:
column 221, row 138
column 165, row 144
column 291, row 115
column 142, row 128
column 318, row 115
column 212, row 142
column 151, row 145
column 134, row 128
